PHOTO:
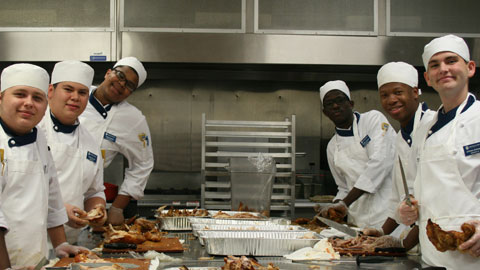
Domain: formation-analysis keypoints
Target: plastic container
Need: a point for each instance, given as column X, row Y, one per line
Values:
column 252, row 183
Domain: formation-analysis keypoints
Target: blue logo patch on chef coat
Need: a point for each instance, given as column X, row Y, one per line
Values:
column 92, row 157
column 471, row 149
column 365, row 141
column 109, row 137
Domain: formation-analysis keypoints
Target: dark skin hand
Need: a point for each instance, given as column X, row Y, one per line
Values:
column 389, row 226
column 4, row 259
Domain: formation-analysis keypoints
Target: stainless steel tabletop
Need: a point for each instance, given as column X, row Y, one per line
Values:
column 194, row 253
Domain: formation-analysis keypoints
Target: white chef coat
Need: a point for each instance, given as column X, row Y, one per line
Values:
column 30, row 198
column 122, row 128
column 403, row 143
column 373, row 137
column 78, row 161
column 447, row 183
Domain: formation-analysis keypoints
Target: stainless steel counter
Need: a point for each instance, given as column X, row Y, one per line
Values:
column 193, row 253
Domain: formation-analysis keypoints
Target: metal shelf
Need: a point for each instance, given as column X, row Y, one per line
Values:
column 223, row 139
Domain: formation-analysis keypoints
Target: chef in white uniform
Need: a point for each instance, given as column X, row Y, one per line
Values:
column 447, row 183
column 360, row 157
column 121, row 128
column 30, row 200
column 399, row 96
column 76, row 155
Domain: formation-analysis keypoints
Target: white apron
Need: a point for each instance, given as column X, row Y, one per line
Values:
column 27, row 237
column 69, row 164
column 351, row 161
column 450, row 207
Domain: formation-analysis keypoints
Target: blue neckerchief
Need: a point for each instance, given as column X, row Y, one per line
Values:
column 347, row 132
column 19, row 140
column 445, row 118
column 103, row 111
column 59, row 127
column 407, row 131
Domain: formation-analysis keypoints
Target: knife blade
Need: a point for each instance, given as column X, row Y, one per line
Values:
column 345, row 229
column 76, row 266
column 404, row 181
column 41, row 263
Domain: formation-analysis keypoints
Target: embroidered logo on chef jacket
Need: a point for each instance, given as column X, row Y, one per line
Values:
column 144, row 139
column 92, row 157
column 471, row 149
column 109, row 137
column 385, row 127
column 365, row 141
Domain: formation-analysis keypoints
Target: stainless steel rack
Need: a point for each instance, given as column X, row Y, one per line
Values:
column 223, row 139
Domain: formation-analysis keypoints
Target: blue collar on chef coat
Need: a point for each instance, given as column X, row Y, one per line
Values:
column 59, row 127
column 445, row 118
column 347, row 132
column 103, row 111
column 19, row 140
column 407, row 131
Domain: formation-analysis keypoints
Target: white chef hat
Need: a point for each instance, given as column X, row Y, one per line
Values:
column 24, row 74
column 448, row 43
column 72, row 71
column 397, row 72
column 334, row 85
column 136, row 65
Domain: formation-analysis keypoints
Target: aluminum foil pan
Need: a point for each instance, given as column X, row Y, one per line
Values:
column 255, row 243
column 198, row 220
column 212, row 213
column 241, row 227
column 180, row 223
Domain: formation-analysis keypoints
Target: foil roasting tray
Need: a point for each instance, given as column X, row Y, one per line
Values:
column 242, row 227
column 258, row 216
column 180, row 223
column 256, row 243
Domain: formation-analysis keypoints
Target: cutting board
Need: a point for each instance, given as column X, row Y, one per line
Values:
column 142, row 263
column 165, row 245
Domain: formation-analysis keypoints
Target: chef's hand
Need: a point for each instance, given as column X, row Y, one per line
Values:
column 472, row 245
column 408, row 214
column 115, row 216
column 64, row 250
column 100, row 221
column 340, row 208
column 388, row 241
column 373, row 232
column 74, row 216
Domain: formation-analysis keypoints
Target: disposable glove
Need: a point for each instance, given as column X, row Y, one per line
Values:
column 74, row 213
column 115, row 216
column 373, row 232
column 472, row 245
column 388, row 241
column 408, row 214
column 65, row 250
column 340, row 209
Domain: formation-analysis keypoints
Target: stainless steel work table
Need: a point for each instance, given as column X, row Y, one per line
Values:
column 194, row 251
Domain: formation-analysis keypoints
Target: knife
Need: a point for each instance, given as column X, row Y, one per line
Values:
column 77, row 266
column 120, row 246
column 338, row 226
column 405, row 186
column 41, row 263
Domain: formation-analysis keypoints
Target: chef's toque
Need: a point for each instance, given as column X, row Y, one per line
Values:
column 136, row 65
column 73, row 71
column 24, row 74
column 334, row 85
column 397, row 72
column 448, row 43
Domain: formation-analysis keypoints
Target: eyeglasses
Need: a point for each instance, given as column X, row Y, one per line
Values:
column 122, row 78
column 338, row 100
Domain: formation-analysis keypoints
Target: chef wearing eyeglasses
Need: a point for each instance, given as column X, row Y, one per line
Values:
column 121, row 128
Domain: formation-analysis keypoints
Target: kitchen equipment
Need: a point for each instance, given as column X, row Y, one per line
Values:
column 41, row 263
column 120, row 246
column 78, row 266
column 404, row 181
column 338, row 226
